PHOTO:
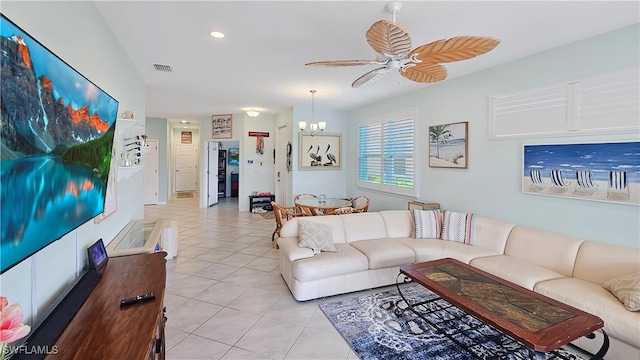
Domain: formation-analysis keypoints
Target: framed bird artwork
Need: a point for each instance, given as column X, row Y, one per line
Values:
column 320, row 152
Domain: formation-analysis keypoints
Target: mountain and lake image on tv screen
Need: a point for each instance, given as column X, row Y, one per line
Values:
column 57, row 131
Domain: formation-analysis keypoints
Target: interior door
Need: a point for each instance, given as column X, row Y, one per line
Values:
column 150, row 178
column 186, row 168
column 281, row 165
column 212, row 173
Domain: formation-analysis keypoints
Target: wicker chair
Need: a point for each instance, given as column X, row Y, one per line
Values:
column 305, row 210
column 341, row 211
column 360, row 204
column 283, row 214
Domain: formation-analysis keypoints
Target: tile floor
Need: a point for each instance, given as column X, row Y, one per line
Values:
column 225, row 297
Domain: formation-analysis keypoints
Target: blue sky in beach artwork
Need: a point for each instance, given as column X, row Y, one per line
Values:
column 599, row 158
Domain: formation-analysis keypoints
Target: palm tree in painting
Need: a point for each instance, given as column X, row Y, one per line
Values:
column 439, row 133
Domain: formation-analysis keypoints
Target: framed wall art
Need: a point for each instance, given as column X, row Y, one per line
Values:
column 448, row 145
column 320, row 152
column 221, row 126
column 234, row 156
column 608, row 171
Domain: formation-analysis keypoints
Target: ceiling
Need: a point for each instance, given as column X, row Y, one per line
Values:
column 260, row 63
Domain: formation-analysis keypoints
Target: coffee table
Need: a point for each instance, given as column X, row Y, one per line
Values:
column 540, row 323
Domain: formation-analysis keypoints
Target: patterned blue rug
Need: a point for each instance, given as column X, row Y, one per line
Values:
column 373, row 330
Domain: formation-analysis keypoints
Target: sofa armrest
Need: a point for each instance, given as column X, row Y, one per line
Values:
column 290, row 250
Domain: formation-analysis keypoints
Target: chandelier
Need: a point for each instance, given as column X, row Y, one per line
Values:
column 314, row 128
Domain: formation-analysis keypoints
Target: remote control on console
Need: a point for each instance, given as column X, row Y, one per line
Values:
column 137, row 299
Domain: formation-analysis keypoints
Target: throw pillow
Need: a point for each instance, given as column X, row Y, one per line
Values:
column 457, row 227
column 627, row 289
column 426, row 224
column 315, row 236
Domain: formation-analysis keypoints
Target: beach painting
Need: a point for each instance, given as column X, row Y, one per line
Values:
column 448, row 145
column 591, row 171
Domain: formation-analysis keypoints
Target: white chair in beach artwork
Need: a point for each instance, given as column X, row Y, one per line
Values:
column 537, row 183
column 558, row 180
column 584, row 179
column 618, row 184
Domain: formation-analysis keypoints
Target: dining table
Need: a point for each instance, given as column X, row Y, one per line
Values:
column 317, row 206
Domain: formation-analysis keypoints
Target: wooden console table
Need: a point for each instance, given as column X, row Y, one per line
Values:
column 103, row 330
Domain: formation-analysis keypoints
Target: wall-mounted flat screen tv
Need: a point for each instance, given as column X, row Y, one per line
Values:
column 57, row 131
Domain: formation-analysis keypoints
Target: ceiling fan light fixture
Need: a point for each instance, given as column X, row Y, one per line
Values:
column 253, row 113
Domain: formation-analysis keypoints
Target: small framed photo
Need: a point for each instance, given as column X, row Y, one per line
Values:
column 222, row 126
column 449, row 145
column 234, row 156
column 320, row 152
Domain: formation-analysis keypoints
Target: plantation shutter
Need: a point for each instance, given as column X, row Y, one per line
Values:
column 385, row 153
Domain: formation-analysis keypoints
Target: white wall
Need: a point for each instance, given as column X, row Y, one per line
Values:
column 491, row 185
column 76, row 33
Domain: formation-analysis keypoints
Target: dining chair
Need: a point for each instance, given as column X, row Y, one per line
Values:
column 283, row 214
column 360, row 204
column 307, row 211
column 341, row 211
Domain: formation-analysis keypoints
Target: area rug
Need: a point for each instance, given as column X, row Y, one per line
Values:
column 184, row 195
column 371, row 327
column 269, row 215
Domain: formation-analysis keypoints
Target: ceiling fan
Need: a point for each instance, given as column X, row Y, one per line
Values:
column 393, row 45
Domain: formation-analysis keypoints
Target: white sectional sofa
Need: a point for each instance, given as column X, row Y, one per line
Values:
column 372, row 246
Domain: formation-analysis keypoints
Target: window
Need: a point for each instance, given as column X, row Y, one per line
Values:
column 385, row 153
column 607, row 102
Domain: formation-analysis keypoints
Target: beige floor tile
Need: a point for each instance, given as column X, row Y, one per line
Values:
column 270, row 337
column 190, row 315
column 289, row 310
column 319, row 322
column 214, row 255
column 190, row 287
column 218, row 271
column 241, row 354
column 221, row 293
column 238, row 260
column 255, row 301
column 273, row 253
column 194, row 347
column 192, row 266
column 312, row 345
column 171, row 301
column 245, row 277
column 231, row 246
column 173, row 336
column 256, row 250
column 263, row 264
column 227, row 326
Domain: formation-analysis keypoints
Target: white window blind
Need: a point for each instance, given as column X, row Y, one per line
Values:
column 608, row 102
column 385, row 153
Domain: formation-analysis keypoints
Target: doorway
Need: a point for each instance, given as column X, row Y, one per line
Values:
column 186, row 169
column 283, row 163
column 150, row 178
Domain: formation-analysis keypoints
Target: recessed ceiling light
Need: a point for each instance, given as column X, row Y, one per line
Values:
column 184, row 122
column 217, row 34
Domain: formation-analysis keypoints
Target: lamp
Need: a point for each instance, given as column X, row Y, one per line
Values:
column 314, row 128
column 253, row 113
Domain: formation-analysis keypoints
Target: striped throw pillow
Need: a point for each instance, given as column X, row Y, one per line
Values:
column 457, row 227
column 426, row 224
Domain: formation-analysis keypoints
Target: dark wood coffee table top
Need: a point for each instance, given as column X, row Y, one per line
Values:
column 539, row 322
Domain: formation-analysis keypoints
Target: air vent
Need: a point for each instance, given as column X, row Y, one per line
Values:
column 165, row 68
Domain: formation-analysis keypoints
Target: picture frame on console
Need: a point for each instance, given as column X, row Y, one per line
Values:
column 320, row 152
column 449, row 145
column 222, row 126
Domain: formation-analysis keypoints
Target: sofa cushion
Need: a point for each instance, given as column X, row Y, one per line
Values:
column 290, row 250
column 518, row 271
column 432, row 249
column 290, row 228
column 457, row 227
column 550, row 250
column 594, row 299
column 397, row 222
column 363, row 226
column 426, row 224
column 384, row 253
column 627, row 289
column 490, row 233
column 345, row 261
column 315, row 236
column 598, row 262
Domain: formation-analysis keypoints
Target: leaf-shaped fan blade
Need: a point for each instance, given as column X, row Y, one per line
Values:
column 370, row 77
column 388, row 38
column 342, row 63
column 425, row 73
column 454, row 49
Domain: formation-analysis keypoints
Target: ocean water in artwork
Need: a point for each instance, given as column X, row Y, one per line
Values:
column 599, row 158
